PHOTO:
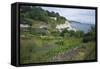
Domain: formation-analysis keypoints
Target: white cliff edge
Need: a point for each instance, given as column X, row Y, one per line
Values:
column 66, row 25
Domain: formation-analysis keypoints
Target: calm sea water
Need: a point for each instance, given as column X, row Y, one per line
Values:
column 81, row 26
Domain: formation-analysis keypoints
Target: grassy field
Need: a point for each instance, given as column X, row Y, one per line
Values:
column 38, row 49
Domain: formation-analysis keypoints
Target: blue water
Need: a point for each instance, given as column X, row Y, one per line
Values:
column 81, row 26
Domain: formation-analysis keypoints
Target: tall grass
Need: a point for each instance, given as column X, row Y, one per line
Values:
column 36, row 49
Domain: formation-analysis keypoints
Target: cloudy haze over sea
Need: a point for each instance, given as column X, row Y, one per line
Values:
column 80, row 15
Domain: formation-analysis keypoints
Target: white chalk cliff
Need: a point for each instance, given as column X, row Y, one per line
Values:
column 66, row 25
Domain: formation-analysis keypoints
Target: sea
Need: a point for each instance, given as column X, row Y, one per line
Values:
column 82, row 26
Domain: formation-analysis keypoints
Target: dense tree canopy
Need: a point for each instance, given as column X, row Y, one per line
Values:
column 37, row 13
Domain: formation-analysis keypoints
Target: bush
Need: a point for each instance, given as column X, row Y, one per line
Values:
column 90, row 36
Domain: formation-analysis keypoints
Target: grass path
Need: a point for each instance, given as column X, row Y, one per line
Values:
column 51, row 49
column 77, row 53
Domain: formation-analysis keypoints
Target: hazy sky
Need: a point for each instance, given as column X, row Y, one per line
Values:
column 80, row 15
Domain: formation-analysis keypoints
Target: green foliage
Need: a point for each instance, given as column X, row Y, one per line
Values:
column 90, row 36
column 24, row 9
column 79, row 33
column 27, row 14
column 52, row 14
column 37, row 31
column 55, row 33
column 60, row 42
column 71, row 33
column 38, row 49
column 61, row 20
column 63, row 32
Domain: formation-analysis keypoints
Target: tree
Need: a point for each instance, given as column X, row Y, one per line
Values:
column 79, row 33
column 63, row 32
column 24, row 9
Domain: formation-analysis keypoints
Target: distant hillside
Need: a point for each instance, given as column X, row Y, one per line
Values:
column 74, row 21
column 30, row 14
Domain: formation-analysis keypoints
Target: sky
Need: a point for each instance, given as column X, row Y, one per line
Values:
column 80, row 15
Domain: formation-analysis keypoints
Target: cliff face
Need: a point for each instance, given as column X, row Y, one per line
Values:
column 66, row 25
